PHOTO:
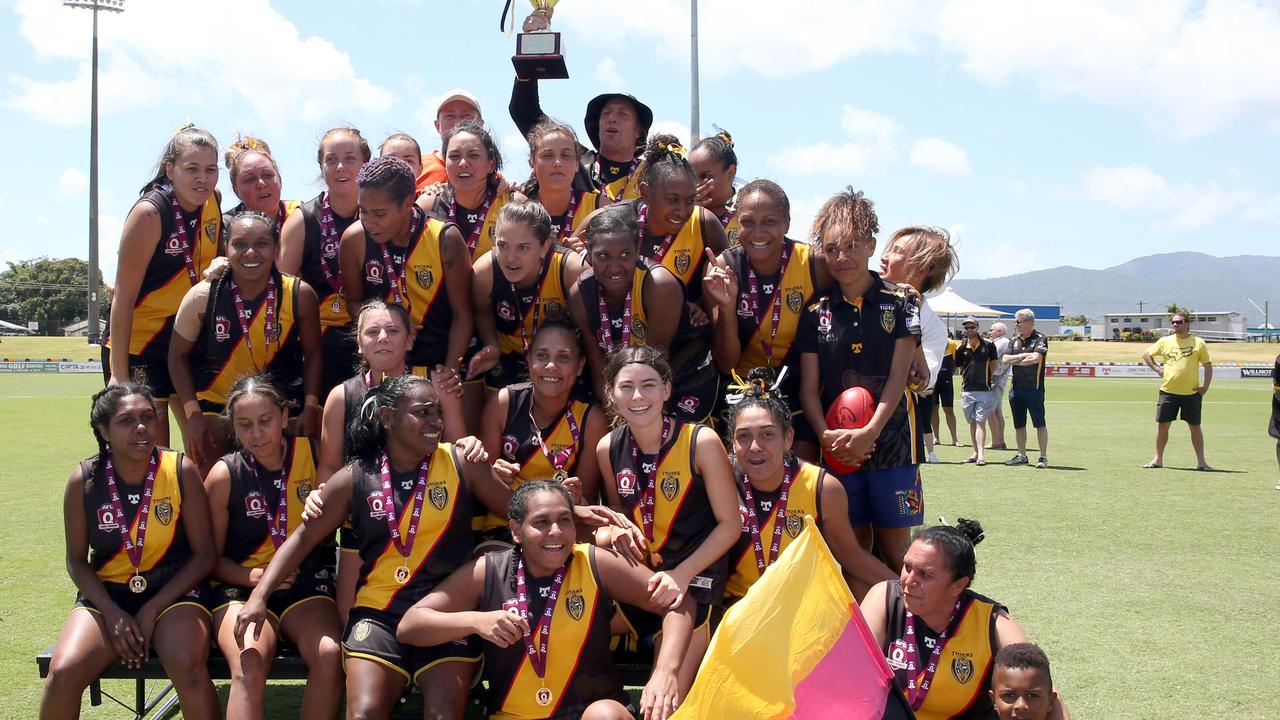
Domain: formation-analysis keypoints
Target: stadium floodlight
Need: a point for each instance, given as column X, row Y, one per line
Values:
column 95, row 280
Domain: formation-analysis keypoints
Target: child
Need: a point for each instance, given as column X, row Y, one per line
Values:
column 1021, row 686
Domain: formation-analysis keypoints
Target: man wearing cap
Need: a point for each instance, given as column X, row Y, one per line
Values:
column 976, row 358
column 455, row 106
column 616, row 123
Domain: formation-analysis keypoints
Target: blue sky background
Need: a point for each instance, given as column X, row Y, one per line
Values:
column 1087, row 133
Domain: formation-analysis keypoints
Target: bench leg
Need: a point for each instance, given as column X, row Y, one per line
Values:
column 95, row 693
column 140, row 697
column 162, row 705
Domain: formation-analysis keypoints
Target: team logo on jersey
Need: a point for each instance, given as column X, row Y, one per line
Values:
column 552, row 309
column 909, row 502
column 733, row 236
column 509, row 446
column 439, row 496
column 744, row 520
column 303, row 490
column 329, row 250
column 506, row 311
column 230, row 591
column 962, row 669
column 574, row 603
column 626, row 483
column 107, row 519
column 689, row 404
column 377, row 506
column 221, row 329
column 794, row 524
column 138, row 374
column 744, row 307
column 164, row 511
column 670, row 485
column 683, row 261
column 897, row 657
column 824, row 321
column 638, row 329
column 795, row 300
column 361, row 631
column 887, row 319
column 173, row 246
column 422, row 273
column 255, row 505
column 211, row 229
column 373, row 272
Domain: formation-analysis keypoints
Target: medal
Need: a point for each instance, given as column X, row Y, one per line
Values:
column 402, row 574
column 918, row 685
column 660, row 251
column 337, row 305
column 184, row 238
column 648, row 485
column 753, row 295
column 538, row 640
column 561, row 457
column 779, row 518
column 543, row 697
column 473, row 239
column 606, row 323
column 561, row 476
column 404, row 547
column 137, row 583
column 269, row 331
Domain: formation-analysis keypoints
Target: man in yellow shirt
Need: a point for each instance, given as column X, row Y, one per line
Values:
column 1181, row 355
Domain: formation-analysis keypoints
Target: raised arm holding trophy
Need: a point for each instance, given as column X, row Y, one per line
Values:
column 537, row 48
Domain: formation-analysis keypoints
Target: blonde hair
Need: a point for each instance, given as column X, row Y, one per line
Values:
column 928, row 250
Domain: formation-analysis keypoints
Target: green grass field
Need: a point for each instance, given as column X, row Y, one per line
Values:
column 1152, row 590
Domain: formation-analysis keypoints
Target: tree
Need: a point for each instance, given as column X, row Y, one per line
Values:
column 1073, row 320
column 52, row 292
column 1176, row 309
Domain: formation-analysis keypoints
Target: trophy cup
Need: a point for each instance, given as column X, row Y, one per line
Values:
column 538, row 52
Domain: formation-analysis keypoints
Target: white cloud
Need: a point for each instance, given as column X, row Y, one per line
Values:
column 110, row 228
column 146, row 64
column 940, row 156
column 671, row 127
column 872, row 147
column 72, row 182
column 607, row 74
column 1181, row 206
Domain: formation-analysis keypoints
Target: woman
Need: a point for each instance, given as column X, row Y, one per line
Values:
column 499, row 596
column 170, row 237
column 403, row 146
column 309, row 246
column 627, row 300
column 538, row 430
column 138, row 544
column 715, row 165
column 930, row 619
column 674, row 480
column 398, row 254
column 521, row 283
column 758, row 290
column 409, row 497
column 553, row 160
column 472, row 198
column 250, row 320
column 255, row 499
column 255, row 178
column 776, row 490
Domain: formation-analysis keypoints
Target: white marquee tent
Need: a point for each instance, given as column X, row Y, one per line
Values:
column 949, row 304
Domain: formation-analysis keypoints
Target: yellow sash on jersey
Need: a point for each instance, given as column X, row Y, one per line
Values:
column 423, row 272
column 731, row 230
column 672, row 483
column 624, row 188
column 302, row 479
column 639, row 325
column 796, row 286
column 162, row 526
column 438, row 503
column 489, row 231
column 802, row 500
column 241, row 361
column 571, row 622
column 554, row 300
column 538, row 467
column 964, row 663
column 152, row 311
column 686, row 249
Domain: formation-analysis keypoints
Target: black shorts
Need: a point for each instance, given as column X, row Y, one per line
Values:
column 646, row 626
column 338, row 348
column 347, row 540
column 317, row 585
column 944, row 392
column 1169, row 407
column 511, row 369
column 1274, row 428
column 152, row 373
column 924, row 413
column 371, row 635
column 131, row 603
column 1024, row 401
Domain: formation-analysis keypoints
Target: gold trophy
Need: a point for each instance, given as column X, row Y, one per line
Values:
column 538, row 49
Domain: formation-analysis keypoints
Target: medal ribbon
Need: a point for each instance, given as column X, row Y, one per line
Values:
column 395, row 279
column 779, row 517
column 918, row 686
column 606, row 324
column 660, row 251
column 566, row 227
column 727, row 217
column 536, row 642
column 134, row 550
column 269, row 331
column 180, row 229
column 649, row 484
column 329, row 241
column 537, row 300
column 602, row 185
column 775, row 301
column 278, row 523
column 405, row 548
column 561, row 457
column 473, row 238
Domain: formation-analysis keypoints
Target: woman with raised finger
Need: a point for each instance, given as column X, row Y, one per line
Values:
column 542, row 610
column 138, row 546
column 715, row 165
column 255, row 178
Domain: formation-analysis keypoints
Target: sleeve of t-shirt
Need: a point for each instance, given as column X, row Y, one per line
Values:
column 187, row 322
column 525, row 108
column 909, row 321
column 1041, row 346
column 1154, row 349
column 1202, row 351
column 807, row 331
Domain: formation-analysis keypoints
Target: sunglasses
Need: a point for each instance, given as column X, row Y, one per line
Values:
column 1177, row 322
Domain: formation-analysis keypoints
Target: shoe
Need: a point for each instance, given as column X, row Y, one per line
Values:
column 932, row 458
column 980, row 463
column 1042, row 463
column 1016, row 460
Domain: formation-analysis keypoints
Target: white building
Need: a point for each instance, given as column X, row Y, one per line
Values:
column 1224, row 325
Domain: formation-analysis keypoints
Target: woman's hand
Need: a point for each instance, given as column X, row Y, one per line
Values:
column 720, row 283
column 253, row 614
column 217, row 268
column 501, row 627
column 482, row 362
column 666, row 591
column 505, row 471
column 125, row 636
column 198, row 429
column 447, row 380
column 309, row 421
column 472, row 449
column 852, row 446
column 313, row 506
column 661, row 696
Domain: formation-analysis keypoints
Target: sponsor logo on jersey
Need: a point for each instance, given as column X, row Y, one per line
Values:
column 897, row 657
column 626, row 482
column 509, row 446
column 373, row 272
column 506, row 311
column 221, row 329
column 377, row 505
column 107, row 519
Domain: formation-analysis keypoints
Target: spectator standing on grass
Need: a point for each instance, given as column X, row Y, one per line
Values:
column 1181, row 394
column 1274, row 429
column 944, row 390
column 999, row 383
column 976, row 358
column 1027, row 351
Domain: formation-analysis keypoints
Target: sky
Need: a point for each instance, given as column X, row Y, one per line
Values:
column 1039, row 134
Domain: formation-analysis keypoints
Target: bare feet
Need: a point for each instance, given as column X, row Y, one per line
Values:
column 1153, row 464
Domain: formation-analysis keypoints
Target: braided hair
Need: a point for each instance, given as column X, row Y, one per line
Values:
column 612, row 219
column 186, row 138
column 389, row 174
column 366, row 432
column 518, row 510
column 103, row 407
column 956, row 542
column 663, row 159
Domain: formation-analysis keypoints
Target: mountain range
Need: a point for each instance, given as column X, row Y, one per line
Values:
column 1191, row 279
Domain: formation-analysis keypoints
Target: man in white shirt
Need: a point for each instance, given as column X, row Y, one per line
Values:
column 999, row 333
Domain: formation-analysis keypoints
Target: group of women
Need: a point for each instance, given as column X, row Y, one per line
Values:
column 425, row 431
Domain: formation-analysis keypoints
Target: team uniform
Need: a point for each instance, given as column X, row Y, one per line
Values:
column 355, row 390
column 682, row 515
column 804, row 497
column 976, row 367
column 582, row 204
column 944, row 388
column 694, row 379
column 579, row 666
column 1274, row 428
column 616, row 180
column 958, row 690
column 166, row 280
column 165, row 549
column 222, row 352
column 1026, row 394
column 323, row 229
column 854, row 341
column 284, row 210
column 729, row 221
column 1182, row 360
column 479, row 226
column 519, row 311
column 413, row 277
column 681, row 253
column 252, row 504
column 441, row 545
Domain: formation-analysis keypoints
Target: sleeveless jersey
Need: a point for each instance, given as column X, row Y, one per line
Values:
column 804, row 499
column 166, row 280
column 684, row 257
column 797, row 287
column 626, row 187
column 959, row 688
column 318, row 252
column 221, row 356
column 284, row 210
column 354, row 393
column 579, row 663
column 165, row 549
column 588, row 201
column 468, row 217
column 731, row 229
column 420, row 269
column 513, row 307
column 444, row 538
column 253, row 502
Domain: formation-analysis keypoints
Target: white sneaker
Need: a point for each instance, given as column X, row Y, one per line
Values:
column 933, row 460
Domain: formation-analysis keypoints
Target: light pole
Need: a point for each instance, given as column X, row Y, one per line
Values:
column 693, row 73
column 94, row 280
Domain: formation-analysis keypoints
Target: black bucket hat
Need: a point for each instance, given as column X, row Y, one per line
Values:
column 596, row 106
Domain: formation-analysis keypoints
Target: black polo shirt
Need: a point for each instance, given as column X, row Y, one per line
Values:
column 975, row 364
column 1029, row 377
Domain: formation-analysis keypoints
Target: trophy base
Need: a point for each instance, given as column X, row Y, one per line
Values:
column 540, row 67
